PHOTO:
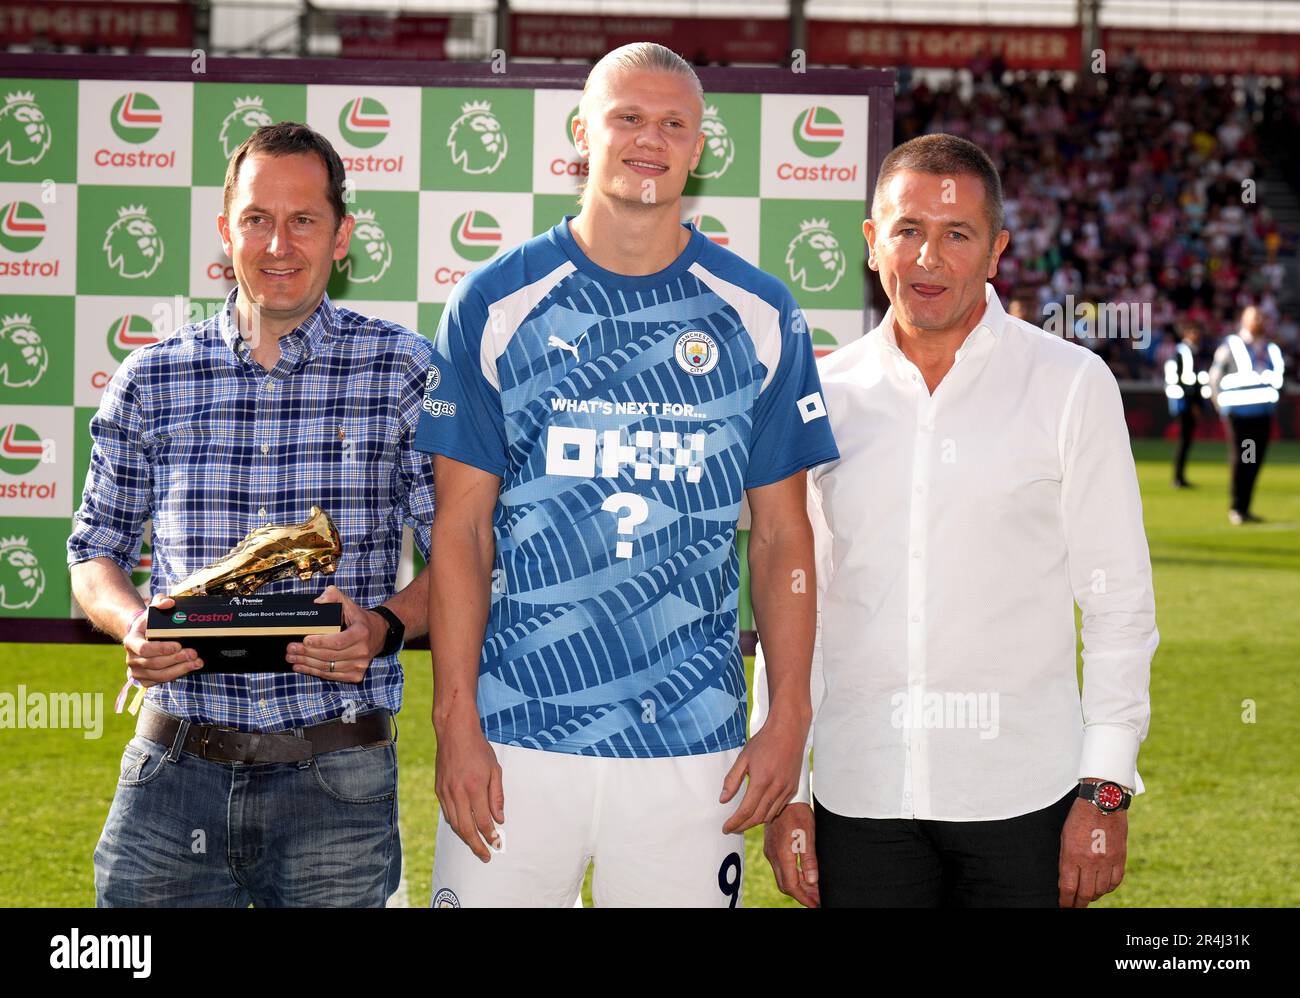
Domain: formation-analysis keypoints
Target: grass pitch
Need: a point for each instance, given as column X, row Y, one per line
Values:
column 1216, row 827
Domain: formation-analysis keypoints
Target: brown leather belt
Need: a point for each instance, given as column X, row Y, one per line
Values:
column 209, row 741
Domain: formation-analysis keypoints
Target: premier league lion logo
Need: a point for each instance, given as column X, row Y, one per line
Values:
column 23, row 357
column 476, row 141
column 719, row 149
column 376, row 253
column 24, row 133
column 247, row 117
column 21, row 579
column 814, row 256
column 132, row 243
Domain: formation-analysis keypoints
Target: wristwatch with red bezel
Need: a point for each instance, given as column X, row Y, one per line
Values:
column 1107, row 797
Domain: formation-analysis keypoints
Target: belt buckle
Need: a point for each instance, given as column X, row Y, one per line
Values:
column 208, row 729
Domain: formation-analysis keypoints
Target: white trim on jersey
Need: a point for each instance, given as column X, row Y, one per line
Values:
column 507, row 315
column 762, row 320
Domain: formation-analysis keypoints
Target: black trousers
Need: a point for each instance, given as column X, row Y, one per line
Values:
column 1241, row 431
column 908, row 863
column 1186, row 431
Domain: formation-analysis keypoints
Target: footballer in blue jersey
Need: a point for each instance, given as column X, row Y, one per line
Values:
column 625, row 417
column 614, row 421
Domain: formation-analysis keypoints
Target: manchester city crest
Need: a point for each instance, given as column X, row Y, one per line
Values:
column 696, row 352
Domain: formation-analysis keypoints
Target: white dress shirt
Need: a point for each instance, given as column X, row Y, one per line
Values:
column 954, row 536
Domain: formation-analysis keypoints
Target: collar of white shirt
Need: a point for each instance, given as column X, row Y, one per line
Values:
column 986, row 331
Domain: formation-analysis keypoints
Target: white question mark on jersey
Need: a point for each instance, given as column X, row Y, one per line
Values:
column 638, row 511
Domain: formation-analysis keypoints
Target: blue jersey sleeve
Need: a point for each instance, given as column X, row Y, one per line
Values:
column 461, row 416
column 791, row 429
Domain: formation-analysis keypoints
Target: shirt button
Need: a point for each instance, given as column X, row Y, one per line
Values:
column 916, row 618
column 262, row 512
column 266, row 448
column 916, row 554
column 920, row 489
column 261, row 703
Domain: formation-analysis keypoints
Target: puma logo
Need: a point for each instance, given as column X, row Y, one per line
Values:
column 555, row 341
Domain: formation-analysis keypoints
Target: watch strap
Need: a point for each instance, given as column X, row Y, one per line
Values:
column 396, row 630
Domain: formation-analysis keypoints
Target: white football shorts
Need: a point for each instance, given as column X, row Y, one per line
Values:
column 652, row 827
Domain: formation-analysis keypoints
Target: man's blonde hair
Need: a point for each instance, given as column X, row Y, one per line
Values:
column 642, row 55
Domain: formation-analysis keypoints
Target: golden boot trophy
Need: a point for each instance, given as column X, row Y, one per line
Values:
column 269, row 553
column 235, row 631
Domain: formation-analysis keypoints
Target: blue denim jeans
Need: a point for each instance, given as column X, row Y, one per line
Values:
column 189, row 832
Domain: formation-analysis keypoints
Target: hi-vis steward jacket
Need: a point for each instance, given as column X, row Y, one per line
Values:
column 1182, row 381
column 1237, row 387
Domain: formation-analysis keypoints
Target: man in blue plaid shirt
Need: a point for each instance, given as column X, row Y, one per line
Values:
column 270, row 788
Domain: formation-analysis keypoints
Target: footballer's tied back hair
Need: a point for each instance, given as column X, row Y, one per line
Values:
column 644, row 55
column 287, row 138
column 944, row 155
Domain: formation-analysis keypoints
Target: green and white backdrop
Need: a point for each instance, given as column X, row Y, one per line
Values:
column 110, row 185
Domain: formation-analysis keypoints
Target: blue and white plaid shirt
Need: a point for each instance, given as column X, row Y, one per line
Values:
column 195, row 434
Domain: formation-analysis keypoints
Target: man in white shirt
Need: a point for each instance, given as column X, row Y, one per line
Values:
column 985, row 486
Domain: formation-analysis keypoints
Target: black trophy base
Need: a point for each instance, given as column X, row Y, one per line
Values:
column 243, row 633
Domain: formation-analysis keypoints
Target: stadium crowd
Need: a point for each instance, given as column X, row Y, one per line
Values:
column 1128, row 189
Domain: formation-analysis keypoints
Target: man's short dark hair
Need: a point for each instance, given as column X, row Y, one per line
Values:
column 945, row 155
column 287, row 138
